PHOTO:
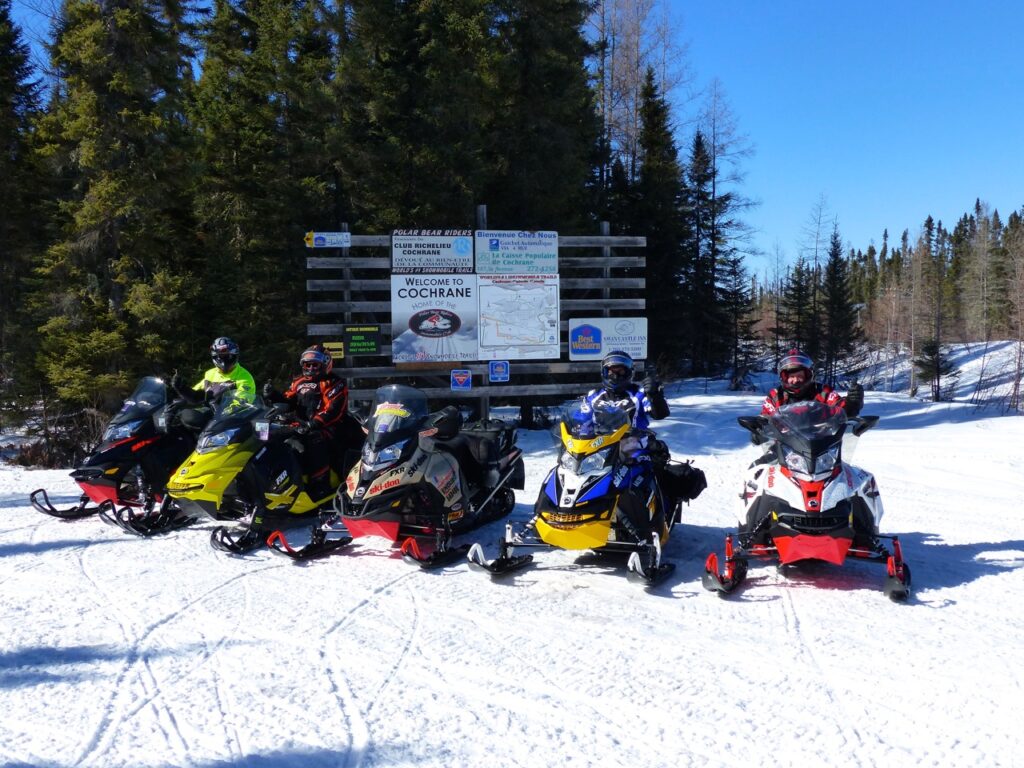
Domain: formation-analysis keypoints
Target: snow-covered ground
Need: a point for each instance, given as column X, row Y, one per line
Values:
column 118, row 651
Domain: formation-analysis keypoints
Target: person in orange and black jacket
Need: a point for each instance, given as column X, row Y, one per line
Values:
column 320, row 399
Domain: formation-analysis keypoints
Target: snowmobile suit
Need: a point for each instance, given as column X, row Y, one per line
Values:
column 214, row 378
column 634, row 400
column 323, row 402
column 823, row 393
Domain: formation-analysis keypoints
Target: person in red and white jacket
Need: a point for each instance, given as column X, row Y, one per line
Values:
column 320, row 399
column 796, row 376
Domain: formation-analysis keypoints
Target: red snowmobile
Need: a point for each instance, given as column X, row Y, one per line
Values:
column 801, row 501
column 130, row 467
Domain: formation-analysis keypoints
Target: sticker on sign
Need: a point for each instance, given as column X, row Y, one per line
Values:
column 328, row 239
column 462, row 379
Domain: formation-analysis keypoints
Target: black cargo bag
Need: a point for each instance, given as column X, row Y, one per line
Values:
column 683, row 480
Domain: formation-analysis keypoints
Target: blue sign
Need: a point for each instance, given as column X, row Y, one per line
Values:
column 462, row 380
column 585, row 340
column 497, row 371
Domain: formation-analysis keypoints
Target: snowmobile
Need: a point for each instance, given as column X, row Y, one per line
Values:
column 422, row 477
column 801, row 501
column 140, row 448
column 603, row 495
column 245, row 465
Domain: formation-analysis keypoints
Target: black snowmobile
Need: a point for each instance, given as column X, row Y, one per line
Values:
column 422, row 476
column 128, row 472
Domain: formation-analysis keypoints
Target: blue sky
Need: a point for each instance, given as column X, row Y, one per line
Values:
column 892, row 111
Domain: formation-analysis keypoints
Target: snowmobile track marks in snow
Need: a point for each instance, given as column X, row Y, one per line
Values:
column 115, row 714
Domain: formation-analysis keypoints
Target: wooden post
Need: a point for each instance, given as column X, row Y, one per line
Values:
column 485, row 400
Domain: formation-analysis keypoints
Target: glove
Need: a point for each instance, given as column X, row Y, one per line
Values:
column 268, row 391
column 854, row 400
column 652, row 386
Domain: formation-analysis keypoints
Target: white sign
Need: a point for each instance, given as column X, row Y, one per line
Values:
column 518, row 317
column 328, row 239
column 433, row 318
column 431, row 251
column 591, row 338
column 516, row 252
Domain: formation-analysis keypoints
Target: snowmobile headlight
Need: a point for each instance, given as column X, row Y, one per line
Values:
column 795, row 461
column 595, row 461
column 121, row 431
column 385, row 457
column 209, row 443
column 827, row 461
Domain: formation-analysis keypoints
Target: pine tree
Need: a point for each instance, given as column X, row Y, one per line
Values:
column 20, row 185
column 657, row 214
column 933, row 366
column 262, row 109
column 842, row 331
column 797, row 319
column 543, row 130
column 116, row 288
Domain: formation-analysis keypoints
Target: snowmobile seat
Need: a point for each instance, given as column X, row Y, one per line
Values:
column 447, row 422
column 476, row 454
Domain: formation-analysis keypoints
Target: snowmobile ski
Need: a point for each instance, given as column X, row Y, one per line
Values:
column 439, row 558
column 40, row 500
column 645, row 565
column 501, row 565
column 319, row 545
column 221, row 538
column 152, row 523
column 897, row 581
column 734, row 574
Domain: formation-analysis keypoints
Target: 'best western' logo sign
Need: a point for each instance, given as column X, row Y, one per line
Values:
column 585, row 340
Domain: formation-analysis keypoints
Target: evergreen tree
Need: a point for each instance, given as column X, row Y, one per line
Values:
column 262, row 109
column 416, row 85
column 116, row 287
column 842, row 331
column 703, row 321
column 542, row 131
column 20, row 185
column 657, row 213
column 797, row 319
column 933, row 366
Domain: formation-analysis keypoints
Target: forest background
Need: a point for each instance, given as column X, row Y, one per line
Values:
column 160, row 169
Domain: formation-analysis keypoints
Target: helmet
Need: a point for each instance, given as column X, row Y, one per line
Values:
column 795, row 360
column 316, row 361
column 616, row 380
column 224, row 353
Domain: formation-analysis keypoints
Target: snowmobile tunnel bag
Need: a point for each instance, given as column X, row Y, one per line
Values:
column 684, row 481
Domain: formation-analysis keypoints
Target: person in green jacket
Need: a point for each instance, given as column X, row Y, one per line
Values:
column 225, row 374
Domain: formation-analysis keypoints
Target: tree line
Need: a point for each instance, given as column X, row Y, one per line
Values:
column 159, row 174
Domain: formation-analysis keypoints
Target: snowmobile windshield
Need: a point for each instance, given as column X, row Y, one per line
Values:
column 584, row 421
column 230, row 409
column 150, row 393
column 398, row 412
column 810, row 428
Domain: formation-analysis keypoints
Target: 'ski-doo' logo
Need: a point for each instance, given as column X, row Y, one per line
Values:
column 434, row 323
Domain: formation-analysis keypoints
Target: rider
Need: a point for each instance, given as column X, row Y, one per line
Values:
column 320, row 399
column 644, row 402
column 796, row 376
column 225, row 374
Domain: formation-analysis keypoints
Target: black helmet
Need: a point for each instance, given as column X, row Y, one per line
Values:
column 316, row 361
column 795, row 360
column 224, row 353
column 615, row 381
